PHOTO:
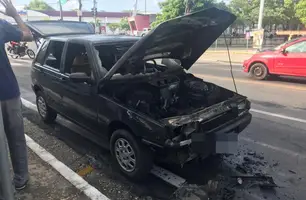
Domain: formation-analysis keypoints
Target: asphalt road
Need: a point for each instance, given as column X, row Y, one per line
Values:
column 274, row 143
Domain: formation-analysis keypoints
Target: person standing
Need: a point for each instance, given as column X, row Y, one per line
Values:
column 10, row 96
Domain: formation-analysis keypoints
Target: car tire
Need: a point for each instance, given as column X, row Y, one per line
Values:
column 259, row 71
column 126, row 148
column 47, row 114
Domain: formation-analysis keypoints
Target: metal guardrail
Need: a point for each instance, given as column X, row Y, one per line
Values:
column 6, row 182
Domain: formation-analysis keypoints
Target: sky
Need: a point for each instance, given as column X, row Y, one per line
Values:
column 106, row 5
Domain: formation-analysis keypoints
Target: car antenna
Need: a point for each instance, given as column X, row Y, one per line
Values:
column 230, row 62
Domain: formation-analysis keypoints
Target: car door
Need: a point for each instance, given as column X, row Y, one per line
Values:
column 80, row 98
column 48, row 73
column 292, row 61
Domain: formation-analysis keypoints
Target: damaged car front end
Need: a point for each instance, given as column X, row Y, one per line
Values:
column 213, row 130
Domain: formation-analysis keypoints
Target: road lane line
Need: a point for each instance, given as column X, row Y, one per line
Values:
column 279, row 115
column 157, row 171
column 239, row 80
column 208, row 67
column 168, row 176
column 285, row 151
column 90, row 191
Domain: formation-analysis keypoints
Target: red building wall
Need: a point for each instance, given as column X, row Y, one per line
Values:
column 139, row 22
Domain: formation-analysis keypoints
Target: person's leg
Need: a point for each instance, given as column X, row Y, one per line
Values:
column 13, row 126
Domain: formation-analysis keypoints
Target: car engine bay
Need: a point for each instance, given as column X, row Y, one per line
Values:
column 171, row 96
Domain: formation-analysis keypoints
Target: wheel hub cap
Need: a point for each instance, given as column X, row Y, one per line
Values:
column 258, row 71
column 41, row 105
column 125, row 155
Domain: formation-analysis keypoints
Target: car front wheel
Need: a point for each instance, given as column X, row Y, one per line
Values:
column 259, row 71
column 130, row 155
column 47, row 114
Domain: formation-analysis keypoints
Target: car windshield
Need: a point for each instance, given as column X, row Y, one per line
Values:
column 285, row 43
column 109, row 54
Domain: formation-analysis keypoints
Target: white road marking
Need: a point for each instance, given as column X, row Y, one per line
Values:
column 279, row 115
column 17, row 64
column 209, row 67
column 168, row 176
column 285, row 151
column 90, row 191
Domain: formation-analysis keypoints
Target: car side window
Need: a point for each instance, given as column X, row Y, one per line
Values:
column 77, row 60
column 297, row 48
column 41, row 54
column 54, row 54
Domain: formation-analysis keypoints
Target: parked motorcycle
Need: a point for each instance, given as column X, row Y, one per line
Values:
column 17, row 50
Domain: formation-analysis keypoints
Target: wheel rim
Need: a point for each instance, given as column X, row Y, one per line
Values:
column 125, row 155
column 258, row 71
column 31, row 54
column 42, row 107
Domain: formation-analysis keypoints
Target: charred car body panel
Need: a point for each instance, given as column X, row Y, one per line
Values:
column 141, row 86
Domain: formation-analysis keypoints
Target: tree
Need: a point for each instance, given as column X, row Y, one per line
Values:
column 169, row 10
column 113, row 27
column 38, row 5
column 301, row 11
column 174, row 8
column 275, row 12
column 124, row 24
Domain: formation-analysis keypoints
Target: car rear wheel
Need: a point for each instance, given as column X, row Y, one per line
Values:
column 259, row 71
column 47, row 114
column 130, row 155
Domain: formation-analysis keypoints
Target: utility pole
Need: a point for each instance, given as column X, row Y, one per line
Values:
column 188, row 6
column 145, row 6
column 261, row 9
column 259, row 26
column 135, row 8
column 80, row 10
column 6, row 183
column 61, row 10
column 95, row 11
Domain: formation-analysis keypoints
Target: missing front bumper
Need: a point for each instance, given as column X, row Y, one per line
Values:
column 221, row 140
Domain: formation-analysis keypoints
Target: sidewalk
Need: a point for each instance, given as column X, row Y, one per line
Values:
column 237, row 57
column 46, row 183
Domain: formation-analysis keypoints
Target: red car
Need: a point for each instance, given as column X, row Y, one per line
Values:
column 288, row 59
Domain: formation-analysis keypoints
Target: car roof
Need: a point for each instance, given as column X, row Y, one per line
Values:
column 96, row 38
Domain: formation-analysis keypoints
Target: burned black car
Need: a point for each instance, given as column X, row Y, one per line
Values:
column 135, row 95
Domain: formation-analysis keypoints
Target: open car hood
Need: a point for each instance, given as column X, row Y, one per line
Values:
column 44, row 29
column 184, row 38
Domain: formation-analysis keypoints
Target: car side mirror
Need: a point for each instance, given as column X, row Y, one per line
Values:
column 80, row 77
column 284, row 51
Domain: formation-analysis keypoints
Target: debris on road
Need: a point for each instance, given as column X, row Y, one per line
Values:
column 191, row 192
column 227, row 194
column 264, row 182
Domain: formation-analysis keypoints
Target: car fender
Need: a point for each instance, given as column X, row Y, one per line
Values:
column 267, row 60
column 140, row 125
